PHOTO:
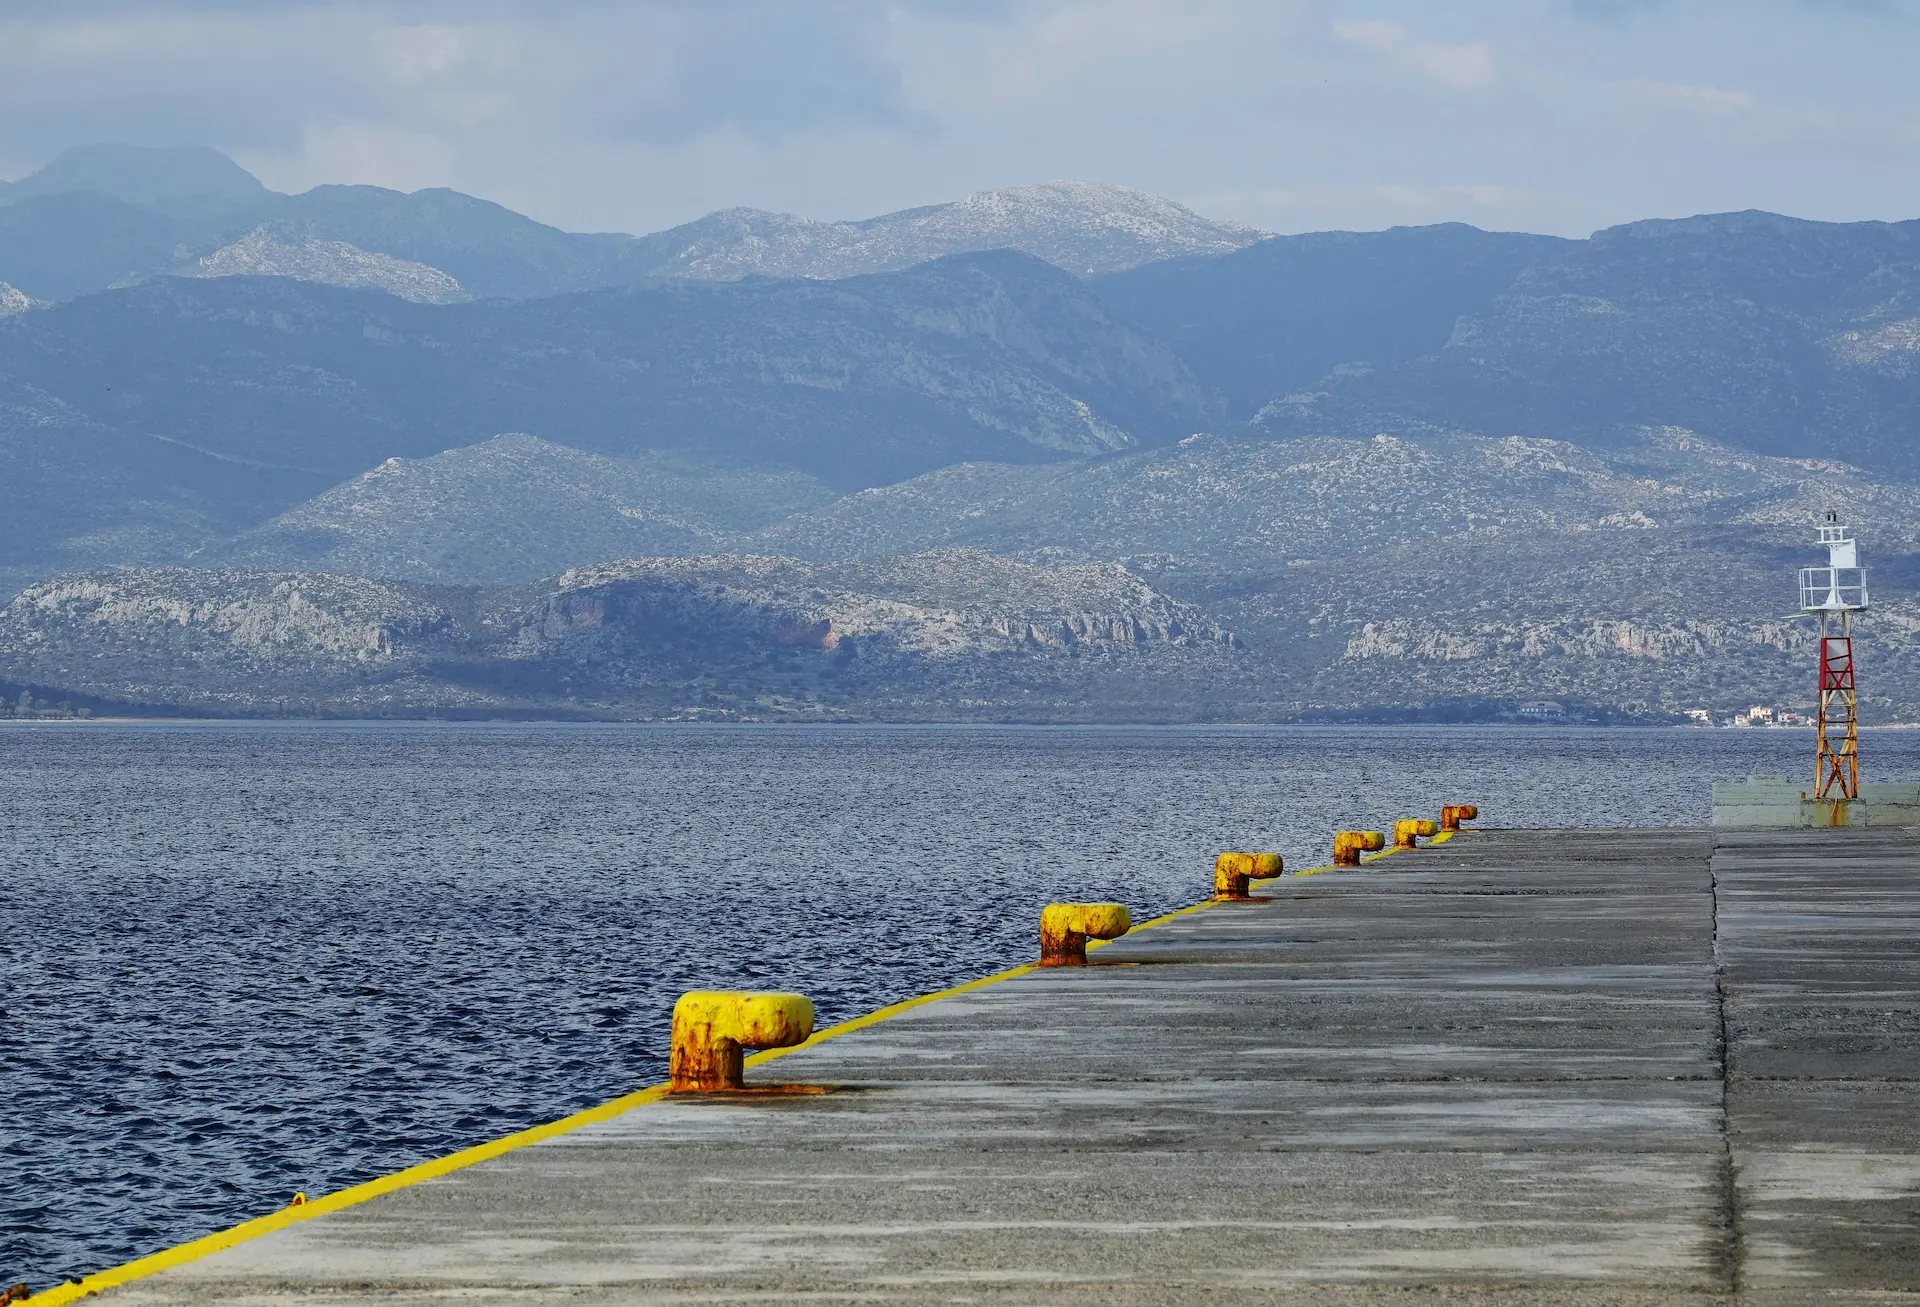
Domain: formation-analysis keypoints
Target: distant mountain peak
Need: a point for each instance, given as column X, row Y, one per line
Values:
column 1083, row 227
column 184, row 181
column 1710, row 225
column 1120, row 206
column 14, row 301
column 748, row 218
column 276, row 250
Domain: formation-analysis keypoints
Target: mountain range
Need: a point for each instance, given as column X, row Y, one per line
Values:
column 238, row 397
column 102, row 216
column 1049, row 452
column 1783, row 336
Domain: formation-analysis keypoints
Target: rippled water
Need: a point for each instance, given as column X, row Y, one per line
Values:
column 238, row 961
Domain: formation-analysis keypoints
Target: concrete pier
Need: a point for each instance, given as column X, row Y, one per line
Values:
column 1566, row 1067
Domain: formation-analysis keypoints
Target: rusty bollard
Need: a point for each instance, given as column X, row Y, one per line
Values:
column 1454, row 813
column 1348, row 845
column 1066, row 927
column 1409, row 831
column 1232, row 872
column 712, row 1027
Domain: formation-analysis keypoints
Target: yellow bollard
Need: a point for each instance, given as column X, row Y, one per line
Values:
column 1233, row 871
column 712, row 1026
column 1348, row 845
column 1454, row 813
column 1066, row 927
column 1408, row 831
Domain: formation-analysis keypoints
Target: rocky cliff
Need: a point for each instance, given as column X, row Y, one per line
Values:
column 950, row 634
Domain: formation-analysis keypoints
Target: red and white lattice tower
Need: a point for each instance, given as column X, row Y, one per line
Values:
column 1838, row 590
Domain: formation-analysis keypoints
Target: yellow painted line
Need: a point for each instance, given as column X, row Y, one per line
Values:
column 221, row 1240
column 895, row 1009
column 1315, row 871
column 1161, row 920
column 1441, row 838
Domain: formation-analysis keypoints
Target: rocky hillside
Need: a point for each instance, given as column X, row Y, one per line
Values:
column 58, row 247
column 955, row 634
column 77, row 494
column 1083, row 227
column 489, row 249
column 1228, row 500
column 1355, row 575
column 1280, row 314
column 944, row 603
column 516, row 508
column 246, row 395
column 275, row 250
column 1644, row 622
column 1791, row 338
column 1360, row 573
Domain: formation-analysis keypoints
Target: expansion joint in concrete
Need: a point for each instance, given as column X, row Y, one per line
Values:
column 1731, row 1249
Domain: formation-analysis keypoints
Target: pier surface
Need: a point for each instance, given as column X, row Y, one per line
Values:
column 1579, row 1067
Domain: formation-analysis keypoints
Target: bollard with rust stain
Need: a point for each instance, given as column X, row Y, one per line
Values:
column 1066, row 927
column 1454, row 813
column 1409, row 831
column 1232, row 872
column 1348, row 845
column 711, row 1027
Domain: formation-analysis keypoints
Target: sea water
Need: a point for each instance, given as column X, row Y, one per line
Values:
column 243, row 960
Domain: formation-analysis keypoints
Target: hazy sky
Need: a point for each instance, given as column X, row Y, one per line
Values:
column 1543, row 115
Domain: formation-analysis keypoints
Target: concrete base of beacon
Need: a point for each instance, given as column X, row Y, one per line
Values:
column 1778, row 802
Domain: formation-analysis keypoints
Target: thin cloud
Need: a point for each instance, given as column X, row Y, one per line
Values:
column 1699, row 99
column 1457, row 67
column 261, row 76
column 1613, row 11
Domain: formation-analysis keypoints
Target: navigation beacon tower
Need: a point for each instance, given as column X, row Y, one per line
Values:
column 1838, row 590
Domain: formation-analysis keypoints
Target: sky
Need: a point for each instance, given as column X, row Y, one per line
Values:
column 1557, row 116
